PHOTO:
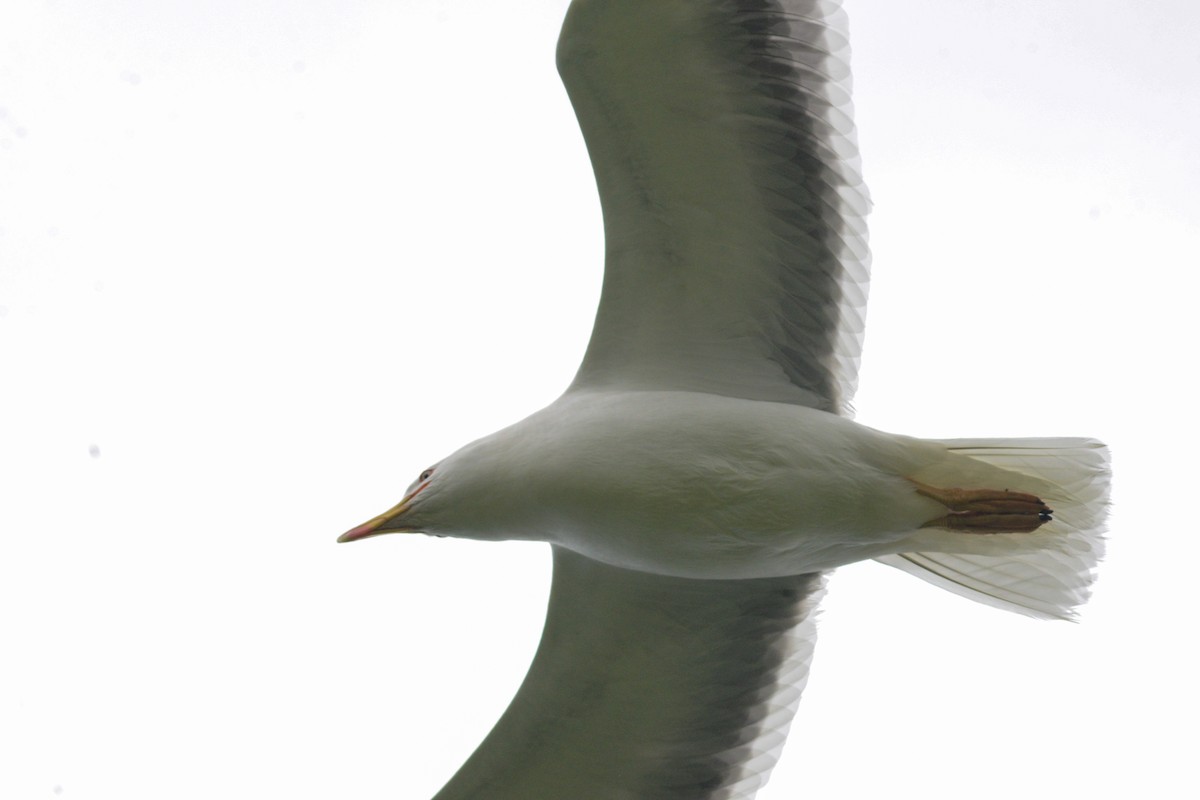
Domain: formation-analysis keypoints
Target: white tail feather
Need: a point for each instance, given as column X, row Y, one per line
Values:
column 1044, row 574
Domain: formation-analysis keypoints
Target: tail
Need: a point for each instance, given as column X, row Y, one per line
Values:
column 1047, row 573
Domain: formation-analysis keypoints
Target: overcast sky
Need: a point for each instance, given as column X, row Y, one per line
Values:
column 263, row 261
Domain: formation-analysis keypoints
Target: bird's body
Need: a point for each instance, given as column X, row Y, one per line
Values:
column 693, row 485
column 701, row 472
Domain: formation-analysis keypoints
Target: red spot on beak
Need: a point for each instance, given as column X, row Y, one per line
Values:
column 363, row 531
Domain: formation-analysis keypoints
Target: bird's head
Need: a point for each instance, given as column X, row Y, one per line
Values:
column 470, row 494
column 405, row 516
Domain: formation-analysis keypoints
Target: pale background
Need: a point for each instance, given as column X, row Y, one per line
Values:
column 261, row 261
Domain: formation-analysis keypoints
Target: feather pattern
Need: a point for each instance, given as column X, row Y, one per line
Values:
column 723, row 146
column 650, row 686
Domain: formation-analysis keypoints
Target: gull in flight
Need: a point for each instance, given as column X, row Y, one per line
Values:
column 701, row 474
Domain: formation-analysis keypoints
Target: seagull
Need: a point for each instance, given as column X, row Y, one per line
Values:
column 702, row 474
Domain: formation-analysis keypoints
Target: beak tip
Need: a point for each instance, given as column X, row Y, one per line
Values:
column 361, row 532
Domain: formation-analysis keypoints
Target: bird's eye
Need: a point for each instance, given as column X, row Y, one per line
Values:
column 426, row 475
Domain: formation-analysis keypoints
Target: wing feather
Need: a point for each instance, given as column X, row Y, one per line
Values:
column 649, row 686
column 722, row 140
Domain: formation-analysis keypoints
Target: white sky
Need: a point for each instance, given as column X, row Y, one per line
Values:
column 262, row 261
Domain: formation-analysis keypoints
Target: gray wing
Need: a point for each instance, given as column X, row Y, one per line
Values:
column 646, row 686
column 721, row 137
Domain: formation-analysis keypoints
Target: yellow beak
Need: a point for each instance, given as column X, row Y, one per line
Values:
column 376, row 526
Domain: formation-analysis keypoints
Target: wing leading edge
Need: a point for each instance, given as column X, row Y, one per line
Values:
column 721, row 137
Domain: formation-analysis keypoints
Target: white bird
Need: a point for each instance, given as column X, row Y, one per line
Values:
column 701, row 473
